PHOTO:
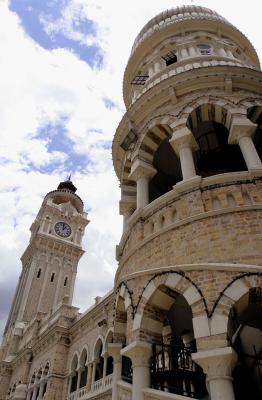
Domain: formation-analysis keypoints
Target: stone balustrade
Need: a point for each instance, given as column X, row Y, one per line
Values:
column 100, row 386
column 186, row 65
column 215, row 195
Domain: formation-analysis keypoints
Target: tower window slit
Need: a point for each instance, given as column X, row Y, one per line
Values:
column 39, row 273
column 52, row 277
column 65, row 281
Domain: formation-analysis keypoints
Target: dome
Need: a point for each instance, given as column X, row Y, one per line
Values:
column 175, row 15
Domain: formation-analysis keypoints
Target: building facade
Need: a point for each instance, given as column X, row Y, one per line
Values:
column 184, row 318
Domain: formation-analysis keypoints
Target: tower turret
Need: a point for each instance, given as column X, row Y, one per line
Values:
column 49, row 263
column 188, row 156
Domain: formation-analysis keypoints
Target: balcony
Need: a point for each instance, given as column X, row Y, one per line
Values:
column 98, row 387
column 174, row 371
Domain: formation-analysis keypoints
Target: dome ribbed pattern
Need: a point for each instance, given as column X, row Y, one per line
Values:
column 174, row 15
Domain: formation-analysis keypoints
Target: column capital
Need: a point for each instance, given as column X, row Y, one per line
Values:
column 240, row 127
column 126, row 206
column 216, row 363
column 141, row 169
column 139, row 352
column 183, row 138
column 114, row 350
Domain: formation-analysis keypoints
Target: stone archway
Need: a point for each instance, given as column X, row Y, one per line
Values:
column 165, row 319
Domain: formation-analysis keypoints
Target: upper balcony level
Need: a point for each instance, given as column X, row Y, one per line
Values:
column 180, row 39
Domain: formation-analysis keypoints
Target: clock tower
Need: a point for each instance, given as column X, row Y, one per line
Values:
column 49, row 263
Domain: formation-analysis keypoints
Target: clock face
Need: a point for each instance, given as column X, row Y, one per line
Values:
column 63, row 229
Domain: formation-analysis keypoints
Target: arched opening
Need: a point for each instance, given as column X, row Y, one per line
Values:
column 120, row 327
column 167, row 319
column 215, row 155
column 245, row 334
column 168, row 168
column 74, row 374
column 255, row 115
column 83, row 368
column 99, row 360
column 109, row 360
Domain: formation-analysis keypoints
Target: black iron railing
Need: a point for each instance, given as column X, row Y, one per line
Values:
column 174, row 371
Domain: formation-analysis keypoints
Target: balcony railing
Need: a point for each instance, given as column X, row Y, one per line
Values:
column 173, row 371
column 98, row 386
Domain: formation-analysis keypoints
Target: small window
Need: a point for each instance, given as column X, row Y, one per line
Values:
column 170, row 58
column 39, row 273
column 139, row 80
column 65, row 281
column 52, row 277
column 205, row 49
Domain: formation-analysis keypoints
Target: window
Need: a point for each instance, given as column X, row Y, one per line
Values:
column 52, row 277
column 39, row 273
column 139, row 80
column 170, row 58
column 205, row 49
column 65, row 281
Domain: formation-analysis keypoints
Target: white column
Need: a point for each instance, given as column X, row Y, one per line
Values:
column 89, row 376
column 241, row 132
column 222, row 52
column 151, row 70
column 183, row 143
column 192, row 51
column 79, row 370
column 42, row 385
column 141, row 173
column 140, row 354
column 114, row 351
column 184, row 53
column 94, row 371
column 34, row 393
column 218, row 365
column 126, row 208
column 158, row 65
column 105, row 357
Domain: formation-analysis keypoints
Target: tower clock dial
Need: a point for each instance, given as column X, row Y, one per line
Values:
column 63, row 229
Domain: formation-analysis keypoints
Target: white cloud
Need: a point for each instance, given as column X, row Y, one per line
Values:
column 39, row 87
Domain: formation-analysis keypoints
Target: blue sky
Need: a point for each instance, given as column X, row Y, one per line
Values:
column 36, row 15
column 62, row 63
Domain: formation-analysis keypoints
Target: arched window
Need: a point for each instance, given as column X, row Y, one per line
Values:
column 109, row 361
column 74, row 374
column 172, row 368
column 100, row 360
column 83, row 368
